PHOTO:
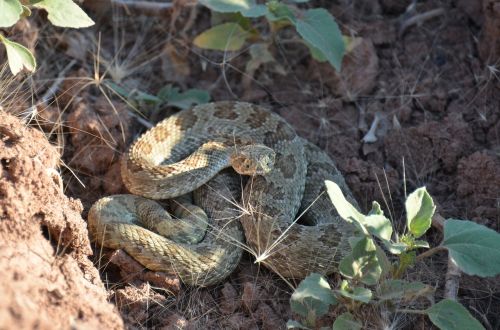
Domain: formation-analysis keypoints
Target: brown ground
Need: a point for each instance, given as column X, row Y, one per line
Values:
column 434, row 86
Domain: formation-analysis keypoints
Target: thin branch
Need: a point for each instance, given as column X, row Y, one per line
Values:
column 145, row 7
column 429, row 252
column 55, row 86
column 418, row 19
column 453, row 273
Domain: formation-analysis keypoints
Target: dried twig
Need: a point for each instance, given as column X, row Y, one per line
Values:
column 453, row 273
column 49, row 93
column 418, row 19
column 55, row 86
column 145, row 7
column 370, row 136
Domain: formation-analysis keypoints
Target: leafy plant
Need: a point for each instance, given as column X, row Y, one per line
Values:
column 63, row 13
column 168, row 95
column 316, row 27
column 370, row 278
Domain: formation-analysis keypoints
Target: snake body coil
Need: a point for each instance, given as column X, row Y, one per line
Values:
column 187, row 152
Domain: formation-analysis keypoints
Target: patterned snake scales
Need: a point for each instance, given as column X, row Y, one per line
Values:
column 193, row 151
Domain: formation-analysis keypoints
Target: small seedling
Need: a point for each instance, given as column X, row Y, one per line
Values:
column 370, row 278
column 316, row 27
column 168, row 95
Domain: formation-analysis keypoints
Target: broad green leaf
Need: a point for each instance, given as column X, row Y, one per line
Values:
column 450, row 315
column 319, row 29
column 65, row 13
column 345, row 209
column 346, row 321
column 10, row 12
column 362, row 263
column 395, row 248
column 419, row 211
column 291, row 324
column 226, row 37
column 19, row 57
column 145, row 97
column 316, row 53
column 379, row 226
column 399, row 289
column 248, row 8
column 383, row 261
column 357, row 293
column 312, row 296
column 475, row 248
column 354, row 240
column 189, row 98
column 117, row 88
column 183, row 100
column 320, row 57
column 219, row 18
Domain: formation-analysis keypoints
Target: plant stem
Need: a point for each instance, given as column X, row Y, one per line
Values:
column 411, row 311
column 429, row 252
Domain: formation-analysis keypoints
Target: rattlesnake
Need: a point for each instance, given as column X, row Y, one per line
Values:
column 167, row 161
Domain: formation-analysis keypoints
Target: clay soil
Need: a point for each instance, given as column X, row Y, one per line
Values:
column 417, row 103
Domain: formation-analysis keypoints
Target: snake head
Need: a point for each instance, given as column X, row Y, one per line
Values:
column 253, row 160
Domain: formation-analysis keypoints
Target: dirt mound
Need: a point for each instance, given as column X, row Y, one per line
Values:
column 48, row 280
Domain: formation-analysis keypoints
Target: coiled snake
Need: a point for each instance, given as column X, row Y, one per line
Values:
column 286, row 225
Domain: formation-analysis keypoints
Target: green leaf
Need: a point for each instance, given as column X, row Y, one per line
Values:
column 421, row 244
column 226, row 37
column 383, row 261
column 316, row 53
column 279, row 11
column 475, row 248
column 419, row 211
column 185, row 100
column 117, row 88
column 379, row 226
column 411, row 243
column 65, row 13
column 376, row 209
column 10, row 12
column 319, row 29
column 219, row 18
column 357, row 293
column 450, row 315
column 19, row 57
column 346, row 321
column 362, row 263
column 145, row 97
column 26, row 11
column 345, row 209
column 247, row 8
column 395, row 248
column 312, row 296
column 291, row 324
column 399, row 289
